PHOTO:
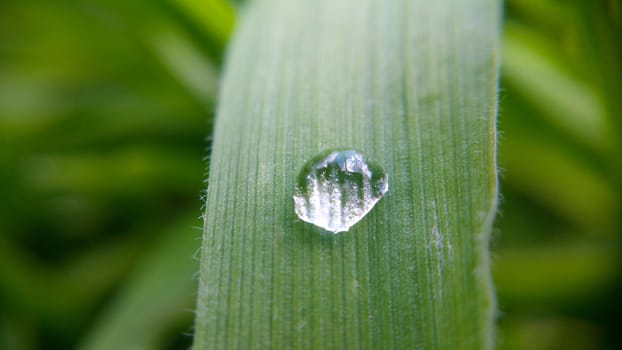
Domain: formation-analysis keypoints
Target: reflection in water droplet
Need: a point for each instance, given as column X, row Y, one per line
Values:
column 337, row 189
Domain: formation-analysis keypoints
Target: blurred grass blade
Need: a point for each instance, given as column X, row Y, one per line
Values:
column 187, row 63
column 51, row 292
column 159, row 294
column 214, row 17
column 555, row 273
column 564, row 171
column 413, row 86
column 569, row 104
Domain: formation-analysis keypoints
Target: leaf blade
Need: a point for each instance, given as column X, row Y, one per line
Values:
column 416, row 96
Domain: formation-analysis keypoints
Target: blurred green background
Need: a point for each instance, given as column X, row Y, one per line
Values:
column 105, row 111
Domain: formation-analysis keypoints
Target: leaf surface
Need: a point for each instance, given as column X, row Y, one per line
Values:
column 413, row 86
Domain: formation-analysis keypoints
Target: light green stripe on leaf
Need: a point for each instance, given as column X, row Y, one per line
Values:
column 412, row 85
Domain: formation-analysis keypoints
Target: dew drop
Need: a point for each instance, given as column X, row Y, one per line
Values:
column 338, row 188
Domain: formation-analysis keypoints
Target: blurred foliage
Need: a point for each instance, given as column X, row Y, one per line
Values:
column 558, row 246
column 104, row 109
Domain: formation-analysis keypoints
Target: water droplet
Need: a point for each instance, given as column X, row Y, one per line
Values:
column 338, row 188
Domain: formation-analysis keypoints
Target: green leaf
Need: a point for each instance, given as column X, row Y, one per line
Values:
column 413, row 86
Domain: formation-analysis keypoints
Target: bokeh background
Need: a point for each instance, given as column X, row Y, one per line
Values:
column 106, row 108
